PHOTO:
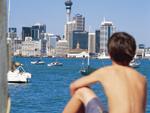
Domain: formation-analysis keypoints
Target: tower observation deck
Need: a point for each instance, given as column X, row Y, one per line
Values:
column 68, row 4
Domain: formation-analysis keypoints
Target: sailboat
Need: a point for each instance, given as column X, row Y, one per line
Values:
column 134, row 64
column 87, row 69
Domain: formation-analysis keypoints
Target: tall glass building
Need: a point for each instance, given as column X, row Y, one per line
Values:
column 37, row 31
column 97, row 41
column 80, row 39
column 106, row 30
column 26, row 32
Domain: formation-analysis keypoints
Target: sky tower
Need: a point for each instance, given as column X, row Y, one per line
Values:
column 68, row 5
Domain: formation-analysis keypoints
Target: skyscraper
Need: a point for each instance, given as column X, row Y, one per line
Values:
column 106, row 30
column 91, row 43
column 12, row 33
column 26, row 32
column 37, row 31
column 68, row 5
column 97, row 41
column 79, row 22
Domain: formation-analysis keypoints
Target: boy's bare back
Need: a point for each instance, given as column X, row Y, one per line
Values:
column 125, row 89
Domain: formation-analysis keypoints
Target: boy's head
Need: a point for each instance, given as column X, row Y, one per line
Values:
column 121, row 48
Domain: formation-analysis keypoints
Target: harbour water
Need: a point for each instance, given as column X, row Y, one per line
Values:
column 48, row 90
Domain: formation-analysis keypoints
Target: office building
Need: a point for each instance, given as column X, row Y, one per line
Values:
column 79, row 22
column 79, row 40
column 37, row 31
column 91, row 43
column 30, row 47
column 26, row 32
column 97, row 41
column 62, row 48
column 69, row 28
column 12, row 33
column 106, row 30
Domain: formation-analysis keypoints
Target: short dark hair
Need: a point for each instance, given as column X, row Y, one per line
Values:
column 121, row 47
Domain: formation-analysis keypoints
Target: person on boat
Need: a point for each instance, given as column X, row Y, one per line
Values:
column 125, row 88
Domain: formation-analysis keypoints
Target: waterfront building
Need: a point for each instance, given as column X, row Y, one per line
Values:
column 61, row 48
column 26, row 32
column 97, row 41
column 106, row 30
column 30, row 47
column 91, row 42
column 37, row 30
column 77, row 54
column 79, row 40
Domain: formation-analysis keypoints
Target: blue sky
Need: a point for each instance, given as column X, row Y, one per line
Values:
column 132, row 16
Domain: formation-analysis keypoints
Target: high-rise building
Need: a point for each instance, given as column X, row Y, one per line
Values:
column 91, row 43
column 37, row 31
column 106, row 30
column 12, row 34
column 26, row 32
column 69, row 28
column 79, row 22
column 79, row 40
column 97, row 41
column 68, row 4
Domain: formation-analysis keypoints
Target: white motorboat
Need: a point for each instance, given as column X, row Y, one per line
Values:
column 18, row 76
column 55, row 64
column 103, row 56
column 38, row 62
column 134, row 64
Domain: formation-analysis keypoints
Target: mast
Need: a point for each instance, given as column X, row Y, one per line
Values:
column 3, row 57
column 89, row 48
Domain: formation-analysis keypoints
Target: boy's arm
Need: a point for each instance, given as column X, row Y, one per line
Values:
column 85, row 81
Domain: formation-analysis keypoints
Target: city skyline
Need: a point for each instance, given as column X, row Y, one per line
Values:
column 130, row 16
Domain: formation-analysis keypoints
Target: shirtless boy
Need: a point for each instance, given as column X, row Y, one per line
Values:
column 125, row 88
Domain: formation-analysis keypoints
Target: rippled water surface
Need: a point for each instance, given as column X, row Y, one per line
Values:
column 48, row 90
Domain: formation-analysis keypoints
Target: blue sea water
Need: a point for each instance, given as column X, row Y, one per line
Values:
column 48, row 90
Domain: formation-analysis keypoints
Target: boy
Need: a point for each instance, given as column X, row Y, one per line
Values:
column 125, row 88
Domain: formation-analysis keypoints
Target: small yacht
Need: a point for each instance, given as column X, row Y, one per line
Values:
column 134, row 63
column 55, row 64
column 103, row 56
column 18, row 76
column 38, row 62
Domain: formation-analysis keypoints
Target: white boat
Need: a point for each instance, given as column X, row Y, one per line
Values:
column 134, row 64
column 103, row 56
column 18, row 76
column 38, row 62
column 55, row 64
